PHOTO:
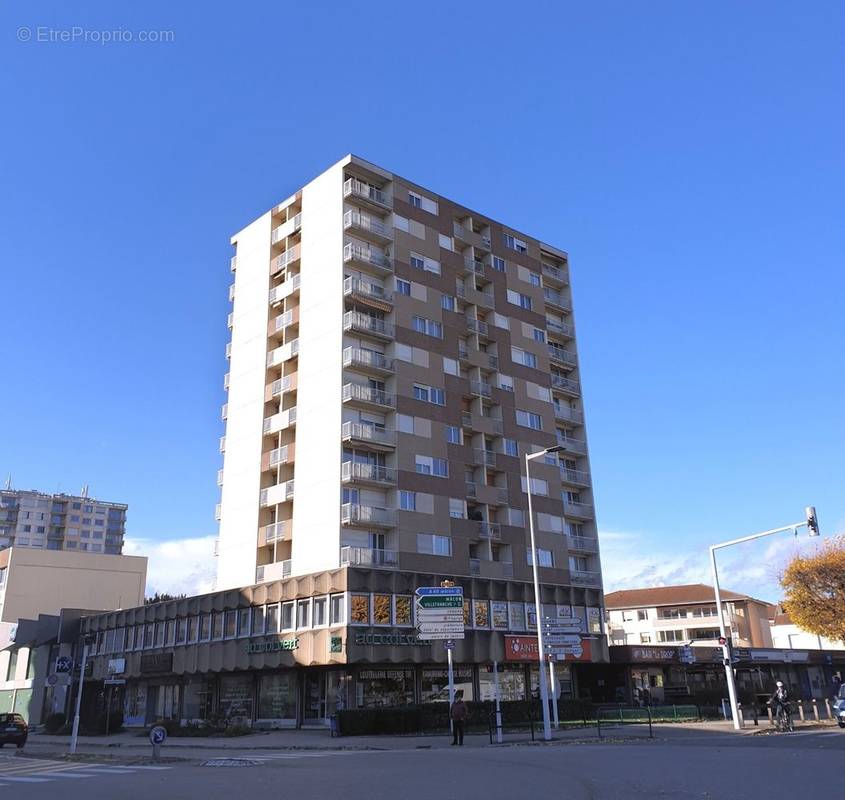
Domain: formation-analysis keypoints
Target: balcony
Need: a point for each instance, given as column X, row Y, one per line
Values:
column 219, row 480
column 273, row 495
column 283, row 321
column 578, row 510
column 286, row 383
column 367, row 227
column 367, row 361
column 560, row 356
column 368, row 434
column 356, row 394
column 275, row 532
column 478, row 326
column 358, row 516
column 286, row 229
column 582, row 577
column 284, row 353
column 486, row 457
column 222, row 444
column 232, row 293
column 285, row 289
column 556, row 299
column 489, row 530
column 366, row 194
column 285, row 259
column 480, row 389
column 218, row 511
column 476, row 297
column 489, row 425
column 363, row 256
column 582, row 544
column 469, row 236
column 368, row 292
column 561, row 330
column 475, row 566
column 575, row 477
column 566, row 386
column 369, row 557
column 280, row 422
column 273, row 572
column 230, row 320
column 226, row 382
column 474, row 266
column 374, row 474
column 368, row 325
column 228, row 350
column 224, row 411
column 558, row 274
column 568, row 414
column 281, row 455
column 571, row 445
column 233, row 263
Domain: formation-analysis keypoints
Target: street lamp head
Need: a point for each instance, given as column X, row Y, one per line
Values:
column 812, row 520
column 556, row 449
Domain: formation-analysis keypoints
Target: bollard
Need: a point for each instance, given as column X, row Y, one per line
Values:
column 801, row 709
column 741, row 715
column 827, row 706
column 769, row 711
column 815, row 709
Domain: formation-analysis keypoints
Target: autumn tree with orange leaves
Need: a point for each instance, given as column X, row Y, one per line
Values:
column 814, row 587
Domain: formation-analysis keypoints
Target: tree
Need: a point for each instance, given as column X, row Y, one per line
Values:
column 814, row 587
column 161, row 597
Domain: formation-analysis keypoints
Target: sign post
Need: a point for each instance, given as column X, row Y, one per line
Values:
column 498, row 703
column 75, row 733
column 553, row 690
column 449, row 644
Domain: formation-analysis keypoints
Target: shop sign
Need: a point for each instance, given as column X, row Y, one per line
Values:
column 654, row 654
column 156, row 662
column 272, row 646
column 388, row 639
column 521, row 648
column 384, row 674
column 336, row 644
column 116, row 666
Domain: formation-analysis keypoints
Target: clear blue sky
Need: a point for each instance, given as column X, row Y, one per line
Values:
column 688, row 156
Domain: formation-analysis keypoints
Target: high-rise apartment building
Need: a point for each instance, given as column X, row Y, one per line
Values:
column 393, row 356
column 60, row 522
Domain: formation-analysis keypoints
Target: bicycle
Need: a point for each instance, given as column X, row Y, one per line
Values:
column 783, row 719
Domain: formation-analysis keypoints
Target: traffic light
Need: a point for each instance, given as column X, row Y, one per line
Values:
column 812, row 520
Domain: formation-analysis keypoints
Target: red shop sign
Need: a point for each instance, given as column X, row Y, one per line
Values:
column 525, row 648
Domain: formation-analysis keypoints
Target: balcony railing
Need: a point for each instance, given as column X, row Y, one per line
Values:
column 489, row 530
column 583, row 544
column 355, row 514
column 222, row 444
column 286, row 229
column 475, row 566
column 277, row 531
column 560, row 274
column 569, row 414
column 285, row 289
column 352, row 472
column 218, row 511
column 578, row 477
column 224, row 411
column 219, row 478
column 368, row 557
column 364, row 323
column 581, row 510
column 558, row 328
column 226, row 381
column 486, row 457
column 556, row 299
column 353, row 392
column 471, row 265
column 232, row 293
column 284, row 384
column 282, row 261
column 283, row 321
column 562, row 356
column 233, row 263
column 366, row 255
column 581, row 577
column 565, row 385
column 361, row 432
column 279, row 456
column 477, row 326
column 273, row 572
column 228, row 349
column 356, row 287
column 283, row 353
column 357, row 357
column 281, row 421
column 578, row 446
column 272, row 495
column 355, row 188
column 480, row 388
column 367, row 224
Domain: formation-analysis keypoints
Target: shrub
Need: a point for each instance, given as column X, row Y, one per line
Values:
column 54, row 723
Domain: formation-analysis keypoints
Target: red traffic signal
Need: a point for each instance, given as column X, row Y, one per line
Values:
column 722, row 641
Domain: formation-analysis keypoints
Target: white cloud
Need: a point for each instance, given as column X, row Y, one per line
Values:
column 176, row 566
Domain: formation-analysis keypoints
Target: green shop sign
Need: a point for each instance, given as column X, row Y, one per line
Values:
column 390, row 639
column 273, row 646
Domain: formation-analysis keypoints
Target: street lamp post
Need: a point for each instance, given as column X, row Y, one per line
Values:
column 75, row 732
column 811, row 523
column 544, row 687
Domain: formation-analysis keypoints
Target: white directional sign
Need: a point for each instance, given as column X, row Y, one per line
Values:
column 573, row 625
column 562, row 639
column 439, row 612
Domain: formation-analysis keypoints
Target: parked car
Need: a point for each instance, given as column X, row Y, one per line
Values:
column 839, row 707
column 13, row 730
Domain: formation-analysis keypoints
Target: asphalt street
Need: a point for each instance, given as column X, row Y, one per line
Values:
column 679, row 765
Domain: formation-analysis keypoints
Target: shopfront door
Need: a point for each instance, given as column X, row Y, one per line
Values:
column 325, row 692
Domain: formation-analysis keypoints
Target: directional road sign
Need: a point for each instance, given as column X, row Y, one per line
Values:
column 573, row 625
column 434, row 637
column 446, row 627
column 427, row 591
column 64, row 664
column 562, row 639
column 444, row 601
column 439, row 612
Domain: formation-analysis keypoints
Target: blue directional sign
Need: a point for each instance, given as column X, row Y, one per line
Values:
column 427, row 591
column 64, row 664
column 158, row 734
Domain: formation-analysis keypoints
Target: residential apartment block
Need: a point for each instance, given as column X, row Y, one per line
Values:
column 393, row 356
column 685, row 614
column 60, row 522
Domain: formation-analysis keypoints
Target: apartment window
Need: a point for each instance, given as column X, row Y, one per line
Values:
column 450, row 366
column 670, row 636
column 417, row 262
column 520, row 356
column 271, row 621
column 627, row 616
column 86, row 520
column 159, row 637
column 415, row 200
column 433, row 544
column 642, row 615
column 74, row 518
column 403, row 287
column 217, row 626
column 337, row 609
column 510, row 447
column 447, row 302
column 76, row 506
column 671, row 613
column 515, row 244
column 539, row 335
column 538, row 486
column 424, row 263
column 205, row 627
column 428, row 326
column 574, row 528
column 528, row 419
column 181, row 630
column 519, row 299
column 429, row 394
column 534, row 279
column 407, row 500
column 578, row 563
column 231, row 625
column 243, row 622
column 258, row 618
column 320, row 611
column 498, row 264
column 446, row 242
column 404, row 422
column 505, row 382
column 457, row 508
column 88, row 509
column 454, row 435
column 545, row 558
column 428, row 465
column 645, row 638
column 169, row 634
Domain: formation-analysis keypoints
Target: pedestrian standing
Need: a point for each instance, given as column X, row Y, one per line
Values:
column 458, row 715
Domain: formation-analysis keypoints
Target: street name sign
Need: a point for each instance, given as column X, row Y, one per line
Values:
column 562, row 639
column 439, row 613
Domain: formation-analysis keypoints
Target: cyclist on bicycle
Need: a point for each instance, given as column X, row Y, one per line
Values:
column 779, row 701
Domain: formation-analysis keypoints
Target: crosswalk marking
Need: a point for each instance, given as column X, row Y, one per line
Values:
column 37, row 770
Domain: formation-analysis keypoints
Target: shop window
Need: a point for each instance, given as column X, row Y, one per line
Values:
column 481, row 613
column 385, row 688
column 403, row 610
column 511, row 682
column 359, row 611
column 517, row 616
column 381, row 609
column 338, row 609
column 499, row 615
column 235, row 701
column 434, row 684
column 277, row 696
